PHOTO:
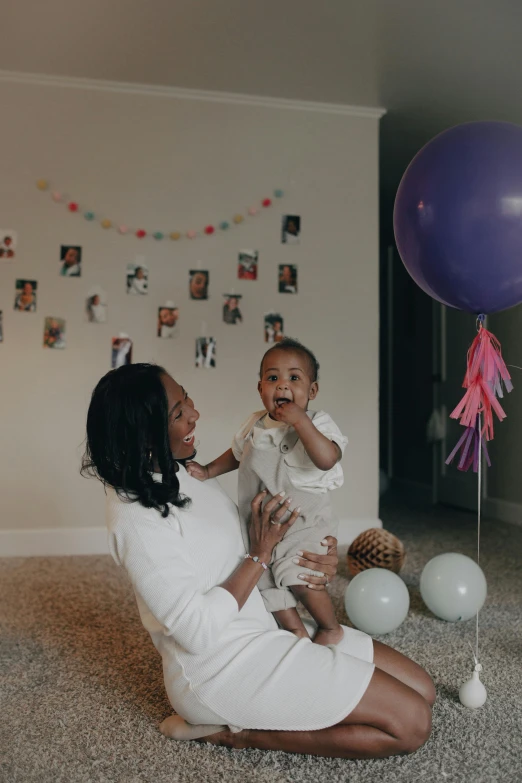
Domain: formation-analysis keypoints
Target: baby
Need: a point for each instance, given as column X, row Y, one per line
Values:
column 288, row 449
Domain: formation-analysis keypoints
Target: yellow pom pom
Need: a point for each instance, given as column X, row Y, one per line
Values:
column 238, row 218
column 106, row 223
column 42, row 184
column 175, row 235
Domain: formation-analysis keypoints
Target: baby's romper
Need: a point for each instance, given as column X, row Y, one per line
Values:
column 285, row 466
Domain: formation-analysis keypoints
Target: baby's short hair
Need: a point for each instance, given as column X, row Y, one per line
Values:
column 289, row 344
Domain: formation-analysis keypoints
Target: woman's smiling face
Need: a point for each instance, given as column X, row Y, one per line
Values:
column 182, row 419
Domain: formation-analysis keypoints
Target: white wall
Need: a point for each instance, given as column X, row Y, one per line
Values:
column 176, row 163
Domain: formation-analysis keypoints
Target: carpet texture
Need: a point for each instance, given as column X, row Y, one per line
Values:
column 82, row 691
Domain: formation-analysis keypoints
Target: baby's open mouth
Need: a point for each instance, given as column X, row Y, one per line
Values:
column 282, row 400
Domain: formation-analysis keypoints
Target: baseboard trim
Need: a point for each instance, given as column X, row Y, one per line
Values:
column 60, row 542
column 51, row 542
column 503, row 510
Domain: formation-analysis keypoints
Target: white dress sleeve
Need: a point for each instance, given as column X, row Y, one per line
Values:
column 162, row 573
column 302, row 471
column 238, row 441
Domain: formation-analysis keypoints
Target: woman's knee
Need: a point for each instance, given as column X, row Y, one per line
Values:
column 415, row 729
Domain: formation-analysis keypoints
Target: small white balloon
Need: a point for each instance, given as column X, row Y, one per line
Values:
column 472, row 693
column 453, row 587
column 376, row 601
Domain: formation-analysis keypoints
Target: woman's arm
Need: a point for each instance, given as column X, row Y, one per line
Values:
column 162, row 572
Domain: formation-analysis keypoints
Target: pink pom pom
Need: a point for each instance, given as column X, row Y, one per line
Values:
column 252, row 211
column 191, row 234
column 57, row 196
column 123, row 229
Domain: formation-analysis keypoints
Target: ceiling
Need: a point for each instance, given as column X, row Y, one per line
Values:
column 430, row 64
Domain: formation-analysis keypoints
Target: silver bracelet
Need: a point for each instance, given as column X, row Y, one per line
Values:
column 256, row 560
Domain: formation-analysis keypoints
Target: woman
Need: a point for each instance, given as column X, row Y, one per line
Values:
column 229, row 671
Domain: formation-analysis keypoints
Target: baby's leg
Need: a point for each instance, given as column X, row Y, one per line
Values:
column 289, row 620
column 319, row 605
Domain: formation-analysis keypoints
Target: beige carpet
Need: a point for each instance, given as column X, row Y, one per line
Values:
column 82, row 691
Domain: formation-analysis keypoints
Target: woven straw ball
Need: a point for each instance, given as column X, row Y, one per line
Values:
column 375, row 548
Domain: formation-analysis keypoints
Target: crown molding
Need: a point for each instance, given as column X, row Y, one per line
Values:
column 181, row 93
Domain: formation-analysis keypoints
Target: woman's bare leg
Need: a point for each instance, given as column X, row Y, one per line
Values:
column 404, row 669
column 390, row 719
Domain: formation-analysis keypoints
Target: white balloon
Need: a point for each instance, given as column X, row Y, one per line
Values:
column 376, row 601
column 453, row 587
column 472, row 693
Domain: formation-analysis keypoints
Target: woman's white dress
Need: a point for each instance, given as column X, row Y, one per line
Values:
column 222, row 665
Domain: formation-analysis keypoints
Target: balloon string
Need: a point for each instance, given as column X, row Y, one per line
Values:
column 479, row 512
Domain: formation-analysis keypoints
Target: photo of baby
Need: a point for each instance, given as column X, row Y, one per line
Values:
column 137, row 279
column 287, row 279
column 205, row 352
column 167, row 320
column 96, row 306
column 54, row 333
column 121, row 351
column 7, row 243
column 247, row 265
column 291, row 229
column 70, row 259
column 231, row 311
column 25, row 297
column 198, row 283
column 273, row 328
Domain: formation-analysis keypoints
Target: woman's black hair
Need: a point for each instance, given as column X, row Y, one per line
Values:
column 127, row 433
column 289, row 344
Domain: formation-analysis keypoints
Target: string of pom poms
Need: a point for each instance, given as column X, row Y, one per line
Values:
column 141, row 233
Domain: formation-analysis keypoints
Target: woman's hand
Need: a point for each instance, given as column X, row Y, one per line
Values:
column 325, row 565
column 197, row 471
column 266, row 526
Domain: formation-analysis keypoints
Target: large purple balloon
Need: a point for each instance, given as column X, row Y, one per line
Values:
column 458, row 217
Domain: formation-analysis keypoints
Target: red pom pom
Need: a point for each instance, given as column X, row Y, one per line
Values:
column 267, row 202
column 140, row 233
column 73, row 206
column 209, row 230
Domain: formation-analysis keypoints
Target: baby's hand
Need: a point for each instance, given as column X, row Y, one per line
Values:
column 289, row 413
column 197, row 471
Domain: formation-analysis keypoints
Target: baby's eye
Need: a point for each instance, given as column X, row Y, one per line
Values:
column 294, row 378
column 272, row 377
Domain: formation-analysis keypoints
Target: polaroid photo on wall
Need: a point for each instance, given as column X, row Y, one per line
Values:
column 71, row 261
column 1, row 327
column 8, row 242
column 273, row 328
column 168, row 316
column 291, row 229
column 231, row 312
column 287, row 279
column 198, row 283
column 247, row 264
column 205, row 352
column 121, row 350
column 137, row 278
column 96, row 305
column 25, row 296
column 54, row 333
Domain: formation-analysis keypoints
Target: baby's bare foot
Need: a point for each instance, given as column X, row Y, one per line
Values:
column 326, row 637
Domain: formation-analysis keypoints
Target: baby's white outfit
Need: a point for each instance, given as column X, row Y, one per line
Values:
column 272, row 457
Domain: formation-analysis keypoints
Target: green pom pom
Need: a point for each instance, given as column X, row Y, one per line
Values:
column 278, row 193
column 89, row 216
column 158, row 235
column 224, row 225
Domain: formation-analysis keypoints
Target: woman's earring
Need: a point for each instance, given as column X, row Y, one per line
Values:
column 150, row 456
